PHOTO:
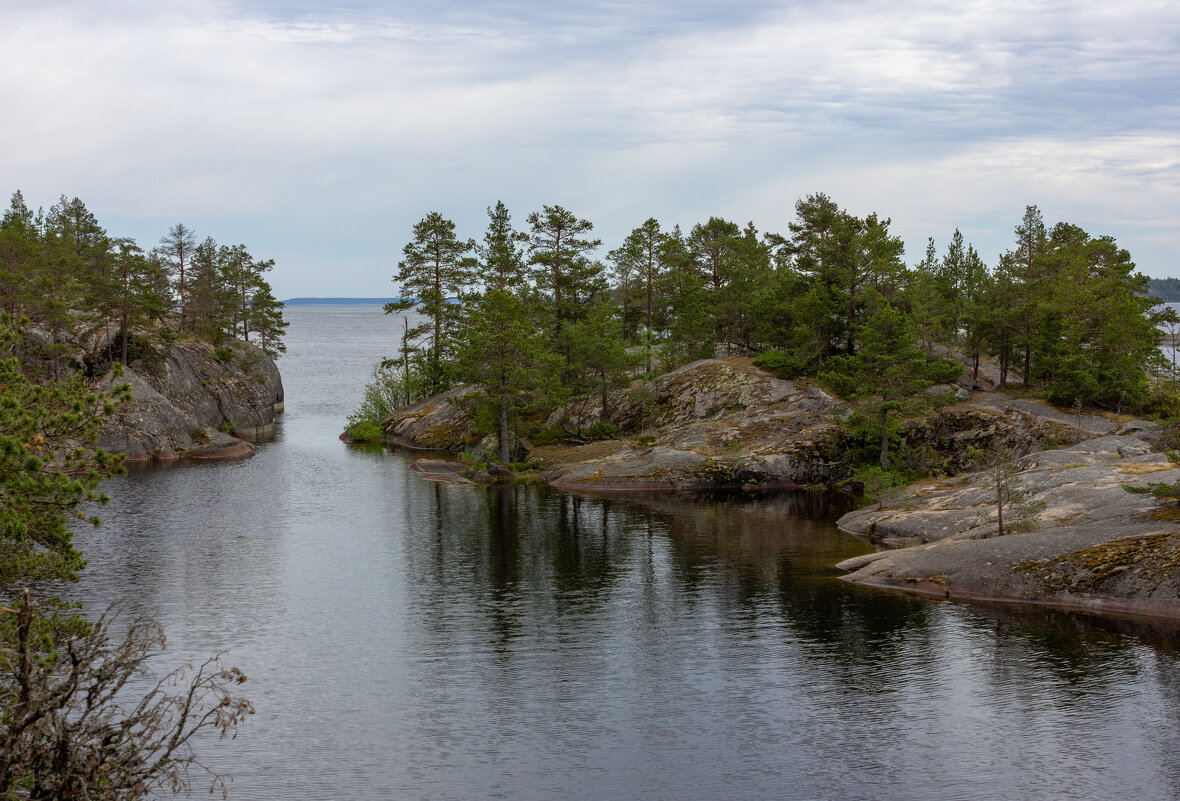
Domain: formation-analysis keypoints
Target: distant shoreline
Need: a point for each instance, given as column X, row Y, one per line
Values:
column 339, row 301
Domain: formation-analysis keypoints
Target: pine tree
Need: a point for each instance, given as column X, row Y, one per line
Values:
column 559, row 251
column 642, row 255
column 177, row 247
column 889, row 367
column 211, row 302
column 140, row 294
column 504, row 352
column 434, row 269
column 41, row 480
column 1026, row 267
column 266, row 318
column 501, row 259
column 597, row 360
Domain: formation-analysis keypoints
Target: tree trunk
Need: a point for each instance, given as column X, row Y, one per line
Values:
column 604, row 393
column 647, row 339
column 502, row 430
column 884, row 436
column 999, row 503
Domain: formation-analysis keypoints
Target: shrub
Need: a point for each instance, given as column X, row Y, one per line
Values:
column 1163, row 402
column 388, row 390
column 784, row 365
column 549, row 436
column 601, row 430
column 365, row 431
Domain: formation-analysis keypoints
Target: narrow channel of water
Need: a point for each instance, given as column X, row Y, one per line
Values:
column 412, row 640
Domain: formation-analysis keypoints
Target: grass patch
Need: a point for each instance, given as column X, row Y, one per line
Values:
column 365, row 431
column 1141, row 468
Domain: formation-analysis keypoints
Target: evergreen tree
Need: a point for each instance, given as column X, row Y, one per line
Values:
column 505, row 353
column 266, row 319
column 177, row 247
column 501, row 258
column 975, row 287
column 643, row 255
column 597, row 360
column 1099, row 339
column 848, row 256
column 140, row 294
column 434, row 269
column 927, row 304
column 211, row 301
column 889, row 367
column 691, row 327
column 559, row 250
column 21, row 270
column 1025, row 265
column 41, row 480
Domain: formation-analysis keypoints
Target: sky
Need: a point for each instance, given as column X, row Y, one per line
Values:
column 318, row 133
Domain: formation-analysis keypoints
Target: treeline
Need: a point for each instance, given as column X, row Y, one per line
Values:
column 1166, row 289
column 61, row 269
column 534, row 318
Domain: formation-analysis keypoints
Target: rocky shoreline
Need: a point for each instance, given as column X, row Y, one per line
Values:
column 725, row 424
column 189, row 400
column 1096, row 546
column 190, row 404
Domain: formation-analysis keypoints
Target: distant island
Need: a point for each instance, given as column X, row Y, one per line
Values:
column 339, row 301
column 1166, row 289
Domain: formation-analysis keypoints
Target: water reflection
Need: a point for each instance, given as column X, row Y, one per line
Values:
column 712, row 632
column 413, row 640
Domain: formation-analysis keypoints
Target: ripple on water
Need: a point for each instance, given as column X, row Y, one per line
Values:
column 412, row 640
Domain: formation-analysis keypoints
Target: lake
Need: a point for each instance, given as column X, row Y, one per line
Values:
column 406, row 639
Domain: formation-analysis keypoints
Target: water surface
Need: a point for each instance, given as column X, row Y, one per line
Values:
column 413, row 640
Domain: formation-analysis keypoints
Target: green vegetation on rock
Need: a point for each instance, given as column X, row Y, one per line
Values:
column 546, row 339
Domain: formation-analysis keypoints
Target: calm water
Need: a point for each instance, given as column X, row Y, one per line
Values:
column 412, row 640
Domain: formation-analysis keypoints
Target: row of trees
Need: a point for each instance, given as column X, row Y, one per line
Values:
column 534, row 318
column 62, row 270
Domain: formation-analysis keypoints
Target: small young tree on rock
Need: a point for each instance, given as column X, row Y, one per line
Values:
column 889, row 369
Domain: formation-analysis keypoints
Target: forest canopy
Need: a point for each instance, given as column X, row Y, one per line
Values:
column 540, row 320
column 64, row 272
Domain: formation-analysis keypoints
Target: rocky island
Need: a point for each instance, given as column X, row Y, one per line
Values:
column 726, row 424
column 722, row 358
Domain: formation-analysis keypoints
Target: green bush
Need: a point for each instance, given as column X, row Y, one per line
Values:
column 601, row 430
column 1163, row 402
column 223, row 353
column 784, row 365
column 549, row 436
column 387, row 391
column 365, row 431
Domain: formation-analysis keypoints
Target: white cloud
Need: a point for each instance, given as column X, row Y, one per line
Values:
column 328, row 135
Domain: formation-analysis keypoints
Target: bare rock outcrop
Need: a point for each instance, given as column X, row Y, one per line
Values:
column 438, row 423
column 727, row 423
column 715, row 422
column 1096, row 546
column 189, row 404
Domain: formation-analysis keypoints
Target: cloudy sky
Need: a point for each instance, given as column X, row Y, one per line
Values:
column 319, row 133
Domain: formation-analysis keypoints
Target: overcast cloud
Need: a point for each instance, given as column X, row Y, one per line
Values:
column 319, row 137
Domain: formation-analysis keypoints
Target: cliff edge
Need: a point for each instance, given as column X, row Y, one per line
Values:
column 190, row 401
